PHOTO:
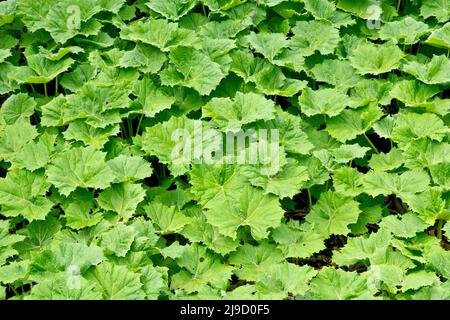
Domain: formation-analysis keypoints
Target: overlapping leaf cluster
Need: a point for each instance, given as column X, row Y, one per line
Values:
column 94, row 206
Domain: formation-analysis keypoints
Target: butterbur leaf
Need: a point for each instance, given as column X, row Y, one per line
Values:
column 336, row 284
column 117, row 282
column 333, row 213
column 40, row 69
column 253, row 262
column 159, row 33
column 57, row 288
column 329, row 102
column 202, row 269
column 14, row 138
column 416, row 280
column 253, row 209
column 152, row 98
column 371, row 90
column 79, row 167
column 409, row 182
column 286, row 183
column 197, row 70
column 413, row 93
column 14, row 271
column 167, row 219
column 433, row 72
column 313, row 36
column 118, row 240
column 386, row 161
column 145, row 57
column 348, row 181
column 435, row 8
column 23, row 193
column 407, row 226
column 407, row 30
column 272, row 81
column 268, row 44
column 440, row 37
column 130, row 168
column 284, row 279
column 172, row 9
column 375, row 59
column 216, row 183
column 122, row 198
column 246, row 108
column 336, row 72
column 351, row 123
column 201, row 231
column 360, row 248
column 413, row 126
column 296, row 242
column 18, row 107
column 77, row 208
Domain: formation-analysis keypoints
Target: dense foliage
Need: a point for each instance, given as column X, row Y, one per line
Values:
column 94, row 205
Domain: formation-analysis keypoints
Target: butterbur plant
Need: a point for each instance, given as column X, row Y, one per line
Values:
column 224, row 149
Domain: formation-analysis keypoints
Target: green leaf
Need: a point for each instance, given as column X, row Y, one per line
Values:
column 23, row 193
column 19, row 107
column 14, row 271
column 118, row 240
column 337, row 284
column 40, row 69
column 312, row 36
column 201, row 269
column 286, row 183
column 213, row 184
column 412, row 126
column 159, row 33
column 196, row 70
column 130, row 168
column 268, row 44
column 272, row 81
column 253, row 209
column 60, row 287
column 329, row 102
column 409, row 182
column 351, row 123
column 117, row 282
column 77, row 208
column 339, row 73
column 406, row 226
column 386, row 161
column 416, row 280
column 79, row 167
column 14, row 137
column 433, row 72
column 440, row 37
column 348, row 181
column 333, row 213
column 147, row 58
column 436, row 8
column 198, row 230
column 361, row 248
column 284, row 279
column 252, row 262
column 296, row 242
column 375, row 59
column 167, row 219
column 246, row 108
column 172, row 9
column 413, row 93
column 122, row 198
column 407, row 31
column 152, row 98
